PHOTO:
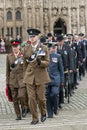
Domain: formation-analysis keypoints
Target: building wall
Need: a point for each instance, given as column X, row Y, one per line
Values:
column 42, row 14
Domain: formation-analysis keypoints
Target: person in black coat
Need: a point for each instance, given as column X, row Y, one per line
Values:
column 65, row 52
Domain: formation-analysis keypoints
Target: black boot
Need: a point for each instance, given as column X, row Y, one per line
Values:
column 24, row 112
column 18, row 118
column 43, row 118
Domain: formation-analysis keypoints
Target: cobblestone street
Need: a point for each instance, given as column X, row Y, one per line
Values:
column 73, row 116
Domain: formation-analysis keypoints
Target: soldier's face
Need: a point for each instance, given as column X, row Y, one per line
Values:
column 70, row 39
column 81, row 37
column 53, row 49
column 50, row 38
column 34, row 39
column 60, row 42
column 16, row 48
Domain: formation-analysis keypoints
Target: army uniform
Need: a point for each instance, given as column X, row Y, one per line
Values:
column 14, row 79
column 35, row 77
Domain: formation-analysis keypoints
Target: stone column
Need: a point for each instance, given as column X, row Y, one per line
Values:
column 86, row 16
column 78, row 22
column 37, row 17
column 33, row 13
column 4, row 19
column 50, row 18
column 41, row 17
column 25, row 26
column 30, row 17
column 14, row 20
column 69, row 19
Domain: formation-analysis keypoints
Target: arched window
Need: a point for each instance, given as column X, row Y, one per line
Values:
column 18, row 15
column 9, row 15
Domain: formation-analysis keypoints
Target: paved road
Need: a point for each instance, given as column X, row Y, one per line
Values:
column 73, row 116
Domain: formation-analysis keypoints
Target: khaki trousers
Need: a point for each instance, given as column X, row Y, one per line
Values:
column 36, row 95
column 18, row 95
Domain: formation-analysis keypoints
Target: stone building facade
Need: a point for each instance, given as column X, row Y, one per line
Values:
column 56, row 16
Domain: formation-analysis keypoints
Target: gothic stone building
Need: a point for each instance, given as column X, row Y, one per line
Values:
column 56, row 16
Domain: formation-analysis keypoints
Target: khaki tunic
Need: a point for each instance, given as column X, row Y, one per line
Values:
column 14, row 77
column 32, row 71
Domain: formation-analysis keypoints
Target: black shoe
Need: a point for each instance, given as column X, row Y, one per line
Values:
column 28, row 110
column 43, row 118
column 18, row 118
column 34, row 122
column 75, row 87
column 60, row 106
column 24, row 112
column 56, row 112
column 50, row 117
column 72, row 91
column 77, row 83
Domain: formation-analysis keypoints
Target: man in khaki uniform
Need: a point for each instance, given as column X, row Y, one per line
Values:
column 14, row 79
column 35, row 75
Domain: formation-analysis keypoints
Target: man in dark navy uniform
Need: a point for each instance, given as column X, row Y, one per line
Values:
column 83, row 50
column 56, row 73
column 65, row 52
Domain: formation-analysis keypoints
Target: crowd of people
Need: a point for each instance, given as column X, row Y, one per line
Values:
column 43, row 71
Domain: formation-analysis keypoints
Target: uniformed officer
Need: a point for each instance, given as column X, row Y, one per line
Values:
column 83, row 50
column 36, row 61
column 50, row 37
column 14, row 79
column 74, row 60
column 56, row 73
column 64, row 51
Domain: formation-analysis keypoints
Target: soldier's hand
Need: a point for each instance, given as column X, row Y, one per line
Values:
column 84, row 60
column 62, row 84
column 70, row 71
column 38, row 61
column 12, row 65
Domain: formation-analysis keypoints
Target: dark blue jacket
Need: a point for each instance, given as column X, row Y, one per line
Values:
column 55, row 69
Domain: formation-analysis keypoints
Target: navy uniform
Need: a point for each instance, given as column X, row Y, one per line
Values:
column 73, row 59
column 49, row 36
column 65, row 52
column 56, row 73
column 83, row 53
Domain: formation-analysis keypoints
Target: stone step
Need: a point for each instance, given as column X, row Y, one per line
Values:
column 65, row 119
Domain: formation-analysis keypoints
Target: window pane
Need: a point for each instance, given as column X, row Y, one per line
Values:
column 9, row 15
column 8, row 31
column 2, row 32
column 11, row 31
column 21, row 31
column 18, row 15
column 16, row 31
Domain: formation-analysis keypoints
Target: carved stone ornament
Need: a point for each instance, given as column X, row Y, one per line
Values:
column 73, row 16
column 54, row 11
column 64, row 11
column 82, row 15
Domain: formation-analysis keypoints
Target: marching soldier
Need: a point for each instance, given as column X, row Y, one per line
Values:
column 64, row 51
column 36, row 60
column 14, row 79
column 50, row 37
column 56, row 74
column 82, row 49
column 74, row 60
